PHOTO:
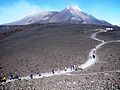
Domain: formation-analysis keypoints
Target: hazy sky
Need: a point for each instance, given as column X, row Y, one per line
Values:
column 11, row 10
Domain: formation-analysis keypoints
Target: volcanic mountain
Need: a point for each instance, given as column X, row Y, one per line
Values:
column 70, row 14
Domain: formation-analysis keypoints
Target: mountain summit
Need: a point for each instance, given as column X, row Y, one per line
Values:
column 73, row 8
column 71, row 14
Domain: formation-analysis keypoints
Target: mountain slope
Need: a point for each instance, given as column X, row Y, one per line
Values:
column 74, row 15
column 68, row 15
column 42, row 17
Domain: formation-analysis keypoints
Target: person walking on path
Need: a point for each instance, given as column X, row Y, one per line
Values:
column 11, row 76
column 71, row 68
column 65, row 69
column 76, row 68
column 31, row 76
column 39, row 74
column 53, row 71
column 93, row 56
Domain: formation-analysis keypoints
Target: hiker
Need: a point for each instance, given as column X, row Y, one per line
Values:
column 31, row 76
column 75, row 67
column 94, row 51
column 11, row 76
column 39, row 74
column 65, row 69
column 4, row 78
column 93, row 56
column 71, row 68
column 53, row 71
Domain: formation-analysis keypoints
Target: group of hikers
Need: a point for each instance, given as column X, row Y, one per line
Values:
column 3, row 78
column 74, row 67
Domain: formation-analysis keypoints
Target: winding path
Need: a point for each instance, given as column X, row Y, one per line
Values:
column 91, row 60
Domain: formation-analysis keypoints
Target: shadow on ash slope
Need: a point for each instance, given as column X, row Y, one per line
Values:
column 91, row 60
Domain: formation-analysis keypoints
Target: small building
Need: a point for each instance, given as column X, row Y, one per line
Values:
column 109, row 29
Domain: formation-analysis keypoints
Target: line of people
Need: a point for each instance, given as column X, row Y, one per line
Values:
column 3, row 78
column 17, row 77
column 73, row 68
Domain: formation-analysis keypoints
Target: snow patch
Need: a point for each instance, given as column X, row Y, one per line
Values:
column 74, row 7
